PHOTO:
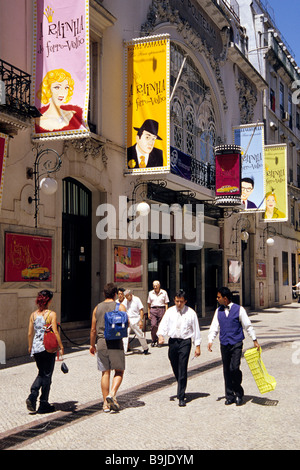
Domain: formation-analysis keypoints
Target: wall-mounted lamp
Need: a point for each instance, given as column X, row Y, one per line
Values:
column 51, row 162
column 241, row 233
column 268, row 235
column 143, row 208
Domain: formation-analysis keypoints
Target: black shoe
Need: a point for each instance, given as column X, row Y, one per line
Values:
column 239, row 401
column 153, row 344
column 31, row 404
column 182, row 403
column 146, row 351
column 230, row 401
column 46, row 408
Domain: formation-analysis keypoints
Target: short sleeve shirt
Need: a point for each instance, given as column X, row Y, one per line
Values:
column 133, row 308
column 158, row 300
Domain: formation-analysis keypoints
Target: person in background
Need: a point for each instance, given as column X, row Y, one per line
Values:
column 230, row 319
column 135, row 312
column 121, row 295
column 45, row 361
column 181, row 324
column 158, row 301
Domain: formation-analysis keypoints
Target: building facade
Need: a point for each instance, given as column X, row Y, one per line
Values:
column 218, row 88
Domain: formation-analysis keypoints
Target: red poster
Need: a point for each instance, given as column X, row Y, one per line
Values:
column 27, row 258
column 228, row 175
column 127, row 264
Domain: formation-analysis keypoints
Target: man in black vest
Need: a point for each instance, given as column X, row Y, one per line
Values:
column 230, row 319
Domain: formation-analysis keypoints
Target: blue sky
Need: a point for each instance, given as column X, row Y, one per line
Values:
column 287, row 19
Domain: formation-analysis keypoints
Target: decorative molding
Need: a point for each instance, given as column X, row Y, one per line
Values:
column 247, row 99
column 90, row 147
column 162, row 12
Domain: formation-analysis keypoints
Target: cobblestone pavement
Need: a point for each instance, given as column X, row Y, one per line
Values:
column 150, row 418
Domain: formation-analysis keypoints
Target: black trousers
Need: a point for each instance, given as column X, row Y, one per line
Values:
column 45, row 363
column 179, row 351
column 231, row 357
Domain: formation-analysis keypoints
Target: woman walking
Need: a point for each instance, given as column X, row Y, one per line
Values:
column 45, row 361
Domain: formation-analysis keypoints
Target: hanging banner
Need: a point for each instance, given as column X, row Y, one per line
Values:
column 228, row 174
column 250, row 138
column 60, row 75
column 3, row 152
column 276, row 198
column 147, row 105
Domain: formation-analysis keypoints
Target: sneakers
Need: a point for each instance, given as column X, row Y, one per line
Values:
column 112, row 403
column 106, row 407
column 31, row 404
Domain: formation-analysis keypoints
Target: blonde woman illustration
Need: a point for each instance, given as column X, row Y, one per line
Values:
column 271, row 211
column 55, row 92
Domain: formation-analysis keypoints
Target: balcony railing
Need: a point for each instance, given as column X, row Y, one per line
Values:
column 196, row 171
column 282, row 54
column 15, row 89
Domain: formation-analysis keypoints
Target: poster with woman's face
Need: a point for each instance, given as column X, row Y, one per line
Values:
column 61, row 67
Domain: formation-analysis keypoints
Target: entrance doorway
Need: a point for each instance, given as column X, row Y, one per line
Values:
column 76, row 252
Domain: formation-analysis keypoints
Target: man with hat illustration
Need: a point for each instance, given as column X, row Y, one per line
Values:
column 143, row 154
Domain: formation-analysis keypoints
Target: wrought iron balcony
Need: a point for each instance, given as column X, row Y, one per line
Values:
column 15, row 91
column 196, row 171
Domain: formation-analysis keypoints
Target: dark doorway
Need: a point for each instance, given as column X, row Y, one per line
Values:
column 76, row 252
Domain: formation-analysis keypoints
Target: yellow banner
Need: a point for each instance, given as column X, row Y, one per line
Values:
column 276, row 198
column 147, row 105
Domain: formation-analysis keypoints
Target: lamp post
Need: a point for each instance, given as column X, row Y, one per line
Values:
column 50, row 162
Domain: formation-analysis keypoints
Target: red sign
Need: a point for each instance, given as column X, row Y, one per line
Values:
column 228, row 175
column 27, row 258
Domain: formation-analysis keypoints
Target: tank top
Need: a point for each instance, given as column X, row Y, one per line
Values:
column 38, row 340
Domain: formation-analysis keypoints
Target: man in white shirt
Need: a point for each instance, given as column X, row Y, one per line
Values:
column 158, row 301
column 231, row 319
column 135, row 312
column 181, row 324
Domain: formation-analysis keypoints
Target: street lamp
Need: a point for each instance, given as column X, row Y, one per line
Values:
column 268, row 237
column 50, row 162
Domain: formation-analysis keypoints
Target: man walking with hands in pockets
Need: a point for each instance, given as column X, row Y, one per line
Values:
column 181, row 324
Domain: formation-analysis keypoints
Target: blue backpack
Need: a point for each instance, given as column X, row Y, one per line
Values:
column 116, row 324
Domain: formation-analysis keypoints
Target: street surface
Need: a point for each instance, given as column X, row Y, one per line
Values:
column 150, row 418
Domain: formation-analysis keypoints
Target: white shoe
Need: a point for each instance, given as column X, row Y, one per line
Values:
column 112, row 403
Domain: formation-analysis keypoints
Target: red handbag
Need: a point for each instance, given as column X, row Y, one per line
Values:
column 50, row 340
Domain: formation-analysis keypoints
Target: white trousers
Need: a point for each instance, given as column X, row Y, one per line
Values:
column 139, row 334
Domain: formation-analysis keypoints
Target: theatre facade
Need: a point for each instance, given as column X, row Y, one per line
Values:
column 177, row 69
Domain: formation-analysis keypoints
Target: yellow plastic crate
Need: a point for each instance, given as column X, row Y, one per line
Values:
column 264, row 381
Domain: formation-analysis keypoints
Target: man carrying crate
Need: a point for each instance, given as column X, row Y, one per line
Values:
column 230, row 319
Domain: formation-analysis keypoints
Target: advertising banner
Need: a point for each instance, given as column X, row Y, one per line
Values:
column 228, row 174
column 147, row 105
column 3, row 153
column 127, row 264
column 250, row 138
column 61, row 68
column 276, row 199
column 27, row 258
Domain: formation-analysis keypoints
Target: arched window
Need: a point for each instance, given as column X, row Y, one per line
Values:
column 193, row 128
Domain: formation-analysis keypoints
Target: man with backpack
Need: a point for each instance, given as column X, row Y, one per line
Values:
column 109, row 325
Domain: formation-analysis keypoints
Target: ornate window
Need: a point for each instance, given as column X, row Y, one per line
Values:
column 193, row 129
